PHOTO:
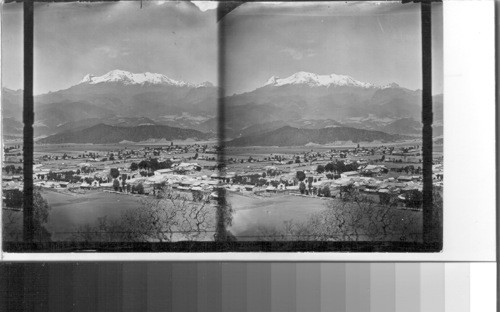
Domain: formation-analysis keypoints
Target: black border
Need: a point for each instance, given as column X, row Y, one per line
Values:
column 433, row 242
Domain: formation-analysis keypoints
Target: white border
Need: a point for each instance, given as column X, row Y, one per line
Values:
column 483, row 287
column 469, row 132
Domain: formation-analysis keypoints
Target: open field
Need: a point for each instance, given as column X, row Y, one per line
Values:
column 266, row 150
column 78, row 148
column 69, row 211
column 252, row 212
column 112, row 146
column 260, row 153
column 256, row 151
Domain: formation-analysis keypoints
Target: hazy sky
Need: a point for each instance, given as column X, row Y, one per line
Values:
column 72, row 39
column 376, row 43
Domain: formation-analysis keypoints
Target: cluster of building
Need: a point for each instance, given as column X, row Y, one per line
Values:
column 407, row 154
column 199, row 173
column 87, row 176
column 127, row 154
column 370, row 179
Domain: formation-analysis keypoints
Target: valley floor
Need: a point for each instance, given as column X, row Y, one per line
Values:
column 258, row 209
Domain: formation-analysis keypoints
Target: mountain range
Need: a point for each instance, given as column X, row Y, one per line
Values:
column 106, row 134
column 117, row 94
column 289, row 136
column 128, row 78
column 303, row 100
column 329, row 101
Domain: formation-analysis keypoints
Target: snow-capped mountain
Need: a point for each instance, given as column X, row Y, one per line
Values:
column 307, row 96
column 121, row 94
column 390, row 85
column 303, row 100
column 315, row 80
column 128, row 78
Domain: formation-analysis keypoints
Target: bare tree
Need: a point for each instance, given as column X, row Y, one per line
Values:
column 353, row 218
column 168, row 217
column 104, row 231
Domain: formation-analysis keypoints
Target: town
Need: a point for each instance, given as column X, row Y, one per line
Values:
column 384, row 173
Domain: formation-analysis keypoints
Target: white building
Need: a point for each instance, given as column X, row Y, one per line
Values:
column 163, row 171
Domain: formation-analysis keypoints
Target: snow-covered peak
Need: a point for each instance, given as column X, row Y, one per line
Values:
column 128, row 78
column 315, row 80
column 204, row 84
column 390, row 85
column 87, row 78
column 273, row 80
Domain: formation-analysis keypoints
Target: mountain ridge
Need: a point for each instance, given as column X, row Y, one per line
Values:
column 106, row 134
column 315, row 80
column 333, row 100
column 290, row 136
column 129, row 78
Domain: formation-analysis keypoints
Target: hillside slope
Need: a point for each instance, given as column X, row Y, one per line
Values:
column 289, row 136
column 104, row 134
